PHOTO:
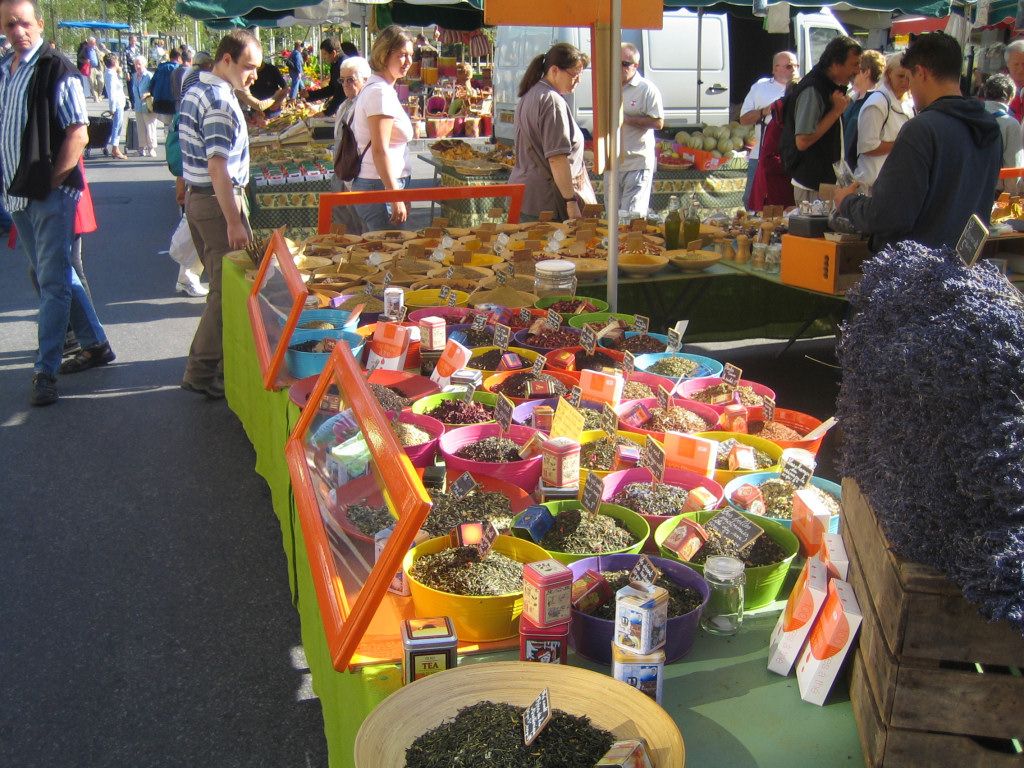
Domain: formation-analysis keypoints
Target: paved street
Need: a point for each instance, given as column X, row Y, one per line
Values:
column 145, row 616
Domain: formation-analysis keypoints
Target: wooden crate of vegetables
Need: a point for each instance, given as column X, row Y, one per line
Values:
column 933, row 683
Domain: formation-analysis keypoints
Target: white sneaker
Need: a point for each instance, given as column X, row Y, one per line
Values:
column 195, row 290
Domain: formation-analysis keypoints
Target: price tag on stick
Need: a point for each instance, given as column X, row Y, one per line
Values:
column 462, row 487
column 972, row 241
column 644, row 573
column 734, row 528
column 769, row 410
column 536, row 716
column 575, row 396
column 664, row 399
column 503, row 408
column 479, row 322
column 795, row 472
column 538, row 365
column 452, row 299
column 588, row 340
column 449, row 273
column 609, row 420
column 675, row 341
column 592, row 491
column 443, row 294
column 502, row 337
column 653, row 457
column 629, row 362
column 554, row 320
column 524, row 316
column 731, row 375
column 641, row 324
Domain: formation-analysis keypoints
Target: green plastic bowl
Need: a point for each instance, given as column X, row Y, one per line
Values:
column 428, row 403
column 764, row 582
column 547, row 301
column 633, row 522
column 579, row 321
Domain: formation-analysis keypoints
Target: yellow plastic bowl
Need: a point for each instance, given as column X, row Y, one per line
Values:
column 431, row 297
column 476, row 260
column 527, row 355
column 476, row 619
column 723, row 476
column 593, row 435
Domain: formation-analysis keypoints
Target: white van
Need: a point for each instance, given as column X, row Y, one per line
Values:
column 668, row 57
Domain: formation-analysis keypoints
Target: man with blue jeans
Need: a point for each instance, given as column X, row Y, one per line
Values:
column 43, row 131
column 295, row 64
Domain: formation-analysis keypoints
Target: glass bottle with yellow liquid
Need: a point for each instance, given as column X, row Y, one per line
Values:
column 672, row 224
column 691, row 223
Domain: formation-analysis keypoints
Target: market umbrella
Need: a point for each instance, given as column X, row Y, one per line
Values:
column 230, row 9
column 461, row 15
column 921, row 7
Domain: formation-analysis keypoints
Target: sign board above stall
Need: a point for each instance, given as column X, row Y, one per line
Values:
column 636, row 14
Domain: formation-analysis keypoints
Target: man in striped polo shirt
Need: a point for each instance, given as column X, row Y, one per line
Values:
column 215, row 160
column 43, row 131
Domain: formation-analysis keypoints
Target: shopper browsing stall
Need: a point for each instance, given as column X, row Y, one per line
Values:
column 332, row 92
column 886, row 110
column 757, row 106
column 114, row 87
column 998, row 90
column 642, row 116
column 142, row 104
column 378, row 120
column 355, row 71
column 944, row 164
column 549, row 142
column 1014, row 58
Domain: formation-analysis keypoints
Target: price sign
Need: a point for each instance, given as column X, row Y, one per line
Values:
column 398, row 316
column 368, row 290
column 734, row 528
column 592, row 491
column 538, row 365
column 510, row 271
column 445, row 290
column 553, row 320
column 462, row 487
column 675, row 341
column 449, row 273
column 388, row 277
column 500, row 277
column 479, row 322
column 538, row 714
column 644, row 573
column 502, row 336
column 609, row 420
column 575, row 396
column 588, row 340
column 769, row 409
column 653, row 457
column 567, row 421
column 795, row 472
column 628, row 362
column 664, row 399
column 731, row 375
column 524, row 316
column 452, row 299
column 972, row 241
column 503, row 412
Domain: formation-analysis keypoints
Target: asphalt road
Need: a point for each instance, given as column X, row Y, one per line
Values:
column 145, row 616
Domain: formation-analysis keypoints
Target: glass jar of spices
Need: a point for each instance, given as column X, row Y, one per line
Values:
column 724, row 612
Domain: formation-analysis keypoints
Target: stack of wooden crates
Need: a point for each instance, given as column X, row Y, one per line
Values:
column 932, row 683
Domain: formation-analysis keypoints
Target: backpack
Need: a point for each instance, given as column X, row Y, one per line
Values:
column 850, row 126
column 347, row 157
column 173, row 149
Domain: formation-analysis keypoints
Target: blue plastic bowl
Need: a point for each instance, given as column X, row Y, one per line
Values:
column 337, row 316
column 302, row 364
column 756, row 478
column 629, row 334
column 707, row 366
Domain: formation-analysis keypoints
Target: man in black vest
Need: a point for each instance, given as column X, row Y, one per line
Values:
column 812, row 118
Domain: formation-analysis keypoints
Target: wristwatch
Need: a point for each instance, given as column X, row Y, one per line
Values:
column 569, row 199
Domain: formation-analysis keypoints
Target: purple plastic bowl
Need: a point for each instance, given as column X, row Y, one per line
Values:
column 591, row 637
column 423, row 455
column 523, row 413
column 524, row 474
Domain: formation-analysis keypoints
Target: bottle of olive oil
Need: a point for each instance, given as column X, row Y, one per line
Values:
column 672, row 224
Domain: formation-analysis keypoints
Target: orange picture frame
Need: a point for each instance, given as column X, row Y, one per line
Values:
column 270, row 360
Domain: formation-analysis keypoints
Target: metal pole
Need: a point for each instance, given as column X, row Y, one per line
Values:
column 700, row 52
column 196, row 30
column 611, row 176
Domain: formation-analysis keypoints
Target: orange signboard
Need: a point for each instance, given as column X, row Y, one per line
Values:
column 636, row 14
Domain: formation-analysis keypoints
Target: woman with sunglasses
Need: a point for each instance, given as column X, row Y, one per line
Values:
column 549, row 142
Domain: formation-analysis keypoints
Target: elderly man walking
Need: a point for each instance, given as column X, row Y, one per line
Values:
column 354, row 73
column 643, row 114
column 215, row 161
column 757, row 106
column 43, row 131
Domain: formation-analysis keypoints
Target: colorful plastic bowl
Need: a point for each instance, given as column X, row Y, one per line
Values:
column 628, row 406
column 634, row 523
column 801, row 422
column 524, row 473
column 430, row 402
column 527, row 356
column 547, row 301
column 339, row 317
column 592, row 436
column 591, row 637
column 723, row 476
column 690, row 386
column 706, row 365
column 764, row 582
column 584, row 319
column 756, row 478
column 569, row 379
column 302, row 364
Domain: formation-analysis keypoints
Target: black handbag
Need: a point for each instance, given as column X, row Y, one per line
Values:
column 347, row 157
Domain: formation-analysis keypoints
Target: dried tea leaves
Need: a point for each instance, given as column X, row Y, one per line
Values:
column 578, row 532
column 461, row 571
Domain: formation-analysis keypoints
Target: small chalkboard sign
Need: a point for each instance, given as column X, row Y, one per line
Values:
column 368, row 290
column 588, row 340
column 628, row 362
column 609, row 420
column 500, row 278
column 653, row 457
column 452, row 299
column 536, row 716
column 509, row 270
column 479, row 322
column 675, row 341
column 972, row 240
column 664, row 398
column 592, row 491
column 734, row 528
column 538, row 365
column 443, row 294
column 574, row 396
column 462, row 487
column 769, row 409
column 731, row 375
column 644, row 573
column 449, row 273
column 553, row 320
column 503, row 408
column 795, row 472
column 524, row 316
column 502, row 336
column 399, row 315
column 641, row 324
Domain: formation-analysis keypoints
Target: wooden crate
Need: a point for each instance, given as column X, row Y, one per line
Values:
column 929, row 673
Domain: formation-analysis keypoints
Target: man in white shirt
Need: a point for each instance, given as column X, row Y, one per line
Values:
column 757, row 106
column 642, row 115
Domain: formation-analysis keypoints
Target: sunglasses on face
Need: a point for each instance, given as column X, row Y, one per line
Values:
column 628, row 64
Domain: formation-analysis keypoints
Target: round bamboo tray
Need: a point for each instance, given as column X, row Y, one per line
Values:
column 402, row 717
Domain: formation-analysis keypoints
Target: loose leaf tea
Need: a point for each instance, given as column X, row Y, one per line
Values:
column 389, row 399
column 638, row 345
column 578, row 532
column 773, row 430
column 762, row 459
column 715, row 392
column 675, row 418
column 675, row 367
column 493, row 450
column 600, row 454
column 490, row 735
column 462, row 571
column 681, row 600
column 516, row 384
column 652, row 498
column 369, row 519
column 596, row 361
column 488, row 361
column 549, row 339
column 778, row 498
column 461, row 412
column 634, row 390
column 764, row 551
column 409, row 434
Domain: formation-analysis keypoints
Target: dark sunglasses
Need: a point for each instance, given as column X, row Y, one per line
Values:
column 629, row 63
column 349, row 80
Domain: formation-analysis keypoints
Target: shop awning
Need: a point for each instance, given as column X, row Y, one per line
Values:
column 462, row 15
column 935, row 8
column 230, row 9
column 1008, row 23
column 93, row 25
column 918, row 25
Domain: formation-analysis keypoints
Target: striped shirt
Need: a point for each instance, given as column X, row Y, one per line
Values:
column 211, row 124
column 71, row 110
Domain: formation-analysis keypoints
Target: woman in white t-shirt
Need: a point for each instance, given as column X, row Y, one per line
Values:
column 886, row 110
column 380, row 121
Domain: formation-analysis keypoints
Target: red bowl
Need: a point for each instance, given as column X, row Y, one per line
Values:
column 702, row 410
column 518, row 499
column 801, row 422
column 610, row 354
column 569, row 378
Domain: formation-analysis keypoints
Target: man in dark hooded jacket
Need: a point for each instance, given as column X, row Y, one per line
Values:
column 944, row 165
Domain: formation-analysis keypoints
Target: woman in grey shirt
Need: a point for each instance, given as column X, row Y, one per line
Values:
column 549, row 143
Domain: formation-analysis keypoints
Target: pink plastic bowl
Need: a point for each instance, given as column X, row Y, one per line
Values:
column 706, row 412
column 422, row 455
column 451, row 315
column 690, row 386
column 524, row 474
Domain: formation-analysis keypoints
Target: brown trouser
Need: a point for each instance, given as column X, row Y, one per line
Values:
column 210, row 235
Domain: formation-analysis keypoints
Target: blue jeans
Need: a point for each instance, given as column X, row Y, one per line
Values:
column 116, row 124
column 378, row 215
column 751, row 170
column 296, row 85
column 45, row 233
column 5, row 218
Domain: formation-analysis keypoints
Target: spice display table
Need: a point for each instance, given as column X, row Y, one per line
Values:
column 730, row 709
column 288, row 205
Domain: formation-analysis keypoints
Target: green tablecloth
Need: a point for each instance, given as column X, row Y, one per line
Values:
column 730, row 709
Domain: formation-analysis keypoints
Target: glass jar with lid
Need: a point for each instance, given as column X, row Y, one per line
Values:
column 554, row 277
column 724, row 612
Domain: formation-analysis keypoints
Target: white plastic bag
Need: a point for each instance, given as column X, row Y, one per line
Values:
column 182, row 250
